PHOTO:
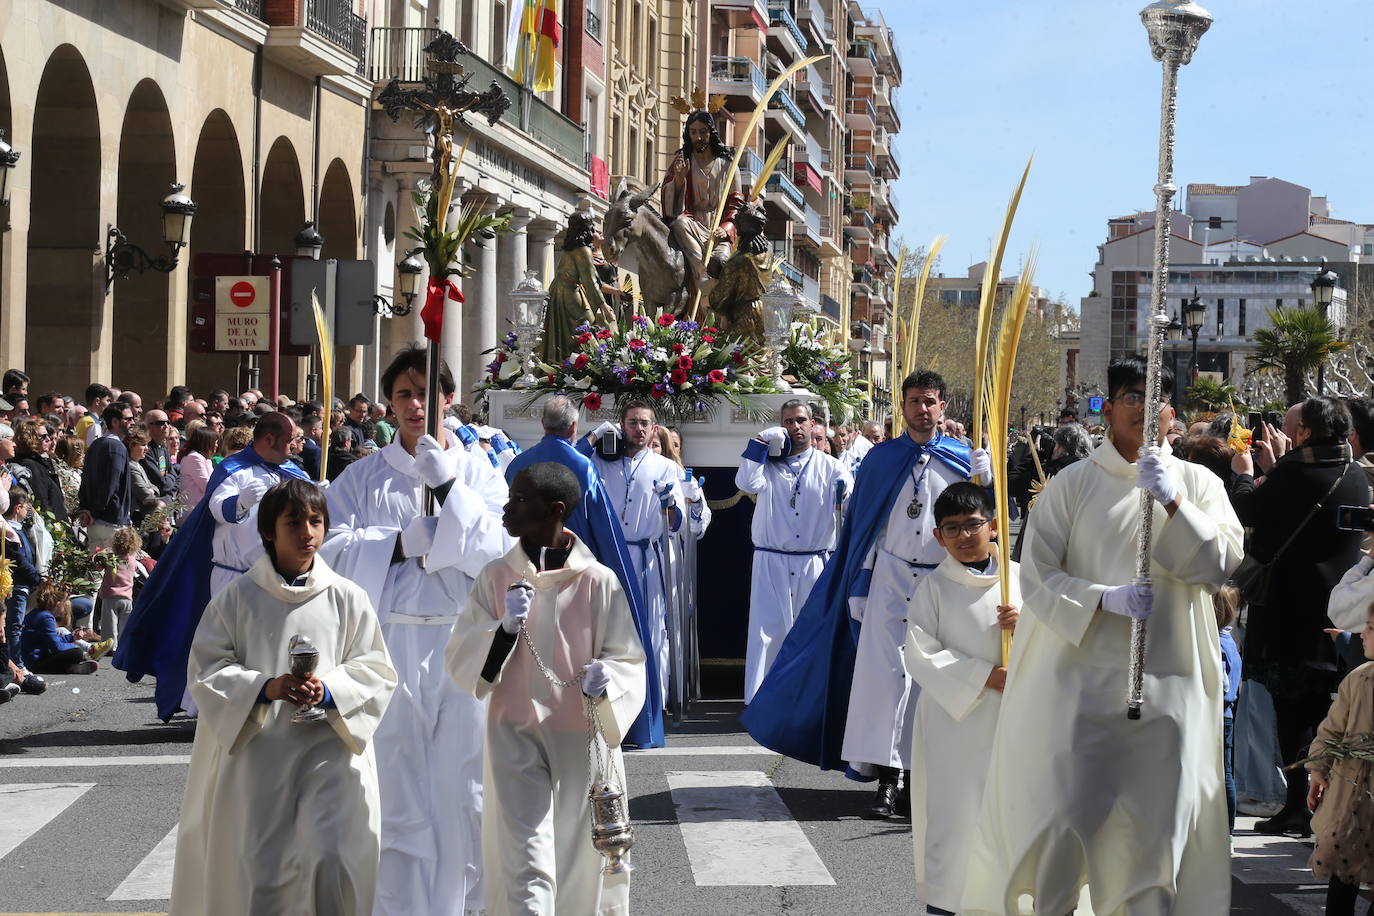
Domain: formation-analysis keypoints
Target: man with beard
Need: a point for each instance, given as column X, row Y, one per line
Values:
column 692, row 190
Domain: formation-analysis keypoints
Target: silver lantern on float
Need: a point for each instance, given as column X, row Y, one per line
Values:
column 780, row 302
column 530, row 300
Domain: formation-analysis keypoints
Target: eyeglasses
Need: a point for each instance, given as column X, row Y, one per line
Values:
column 158, row 422
column 1130, row 398
column 45, row 435
column 967, row 529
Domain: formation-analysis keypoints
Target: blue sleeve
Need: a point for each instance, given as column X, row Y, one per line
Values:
column 231, row 509
column 262, row 693
column 756, row 451
column 328, row 701
column 584, row 447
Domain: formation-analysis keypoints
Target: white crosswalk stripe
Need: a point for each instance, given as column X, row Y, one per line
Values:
column 151, row 879
column 26, row 808
column 738, row 832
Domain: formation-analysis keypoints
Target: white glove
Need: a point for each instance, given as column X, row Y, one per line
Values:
column 1152, row 475
column 518, row 599
column 418, row 536
column 451, row 423
column 774, row 434
column 251, row 493
column 981, row 467
column 691, row 490
column 1134, row 601
column 434, row 463
column 604, row 428
column 595, row 680
column 663, row 489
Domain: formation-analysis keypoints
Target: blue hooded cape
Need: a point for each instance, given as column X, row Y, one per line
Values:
column 595, row 523
column 157, row 638
column 801, row 707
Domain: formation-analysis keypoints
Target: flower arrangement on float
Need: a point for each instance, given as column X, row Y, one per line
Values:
column 681, row 367
column 824, row 370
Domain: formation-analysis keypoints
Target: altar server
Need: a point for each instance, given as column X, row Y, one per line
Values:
column 838, row 691
column 417, row 569
column 793, row 530
column 953, row 653
column 548, row 596
column 644, row 494
column 1077, row 793
column 279, row 816
column 596, row 526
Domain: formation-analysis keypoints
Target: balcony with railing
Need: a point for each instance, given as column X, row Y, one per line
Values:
column 314, row 37
column 860, row 162
column 791, row 273
column 859, row 114
column 813, row 13
column 809, row 227
column 811, row 292
column 780, row 17
column 863, row 277
column 251, row 7
column 784, row 103
column 750, row 165
column 830, row 308
column 860, row 224
column 863, row 60
column 781, row 190
column 811, row 86
column 400, row 53
column 738, row 77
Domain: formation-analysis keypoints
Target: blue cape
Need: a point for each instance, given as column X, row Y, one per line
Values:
column 595, row 523
column 801, row 706
column 157, row 638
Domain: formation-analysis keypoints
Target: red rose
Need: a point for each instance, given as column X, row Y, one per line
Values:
column 580, row 361
column 666, row 321
column 591, row 401
column 630, row 373
column 657, row 392
column 677, row 348
column 548, row 380
column 737, row 357
column 709, row 338
column 684, row 362
column 679, row 376
column 584, row 337
column 603, row 334
column 716, row 376
column 710, row 330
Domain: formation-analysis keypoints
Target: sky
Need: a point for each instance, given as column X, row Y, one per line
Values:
column 1273, row 90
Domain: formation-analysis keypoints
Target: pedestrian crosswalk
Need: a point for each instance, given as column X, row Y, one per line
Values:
column 737, row 830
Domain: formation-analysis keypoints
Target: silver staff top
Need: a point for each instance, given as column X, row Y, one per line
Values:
column 1175, row 26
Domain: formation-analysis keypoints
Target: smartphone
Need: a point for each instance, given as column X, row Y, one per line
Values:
column 1255, row 421
column 1273, row 418
column 1355, row 518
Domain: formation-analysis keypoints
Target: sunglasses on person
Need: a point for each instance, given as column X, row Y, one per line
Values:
column 158, row 422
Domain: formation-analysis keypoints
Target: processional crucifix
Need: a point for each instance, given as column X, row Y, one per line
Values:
column 441, row 101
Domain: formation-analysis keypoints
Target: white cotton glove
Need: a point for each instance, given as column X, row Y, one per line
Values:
column 1133, row 601
column 417, row 538
column 981, row 467
column 604, row 428
column 774, row 435
column 251, row 493
column 1152, row 475
column 691, row 489
column 518, row 599
column 663, row 489
column 596, row 680
column 435, row 464
column 451, row 424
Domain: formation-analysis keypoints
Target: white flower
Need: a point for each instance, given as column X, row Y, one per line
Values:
column 509, row 369
column 582, row 384
column 658, row 354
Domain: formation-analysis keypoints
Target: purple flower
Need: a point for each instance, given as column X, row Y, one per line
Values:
column 640, row 320
column 510, row 340
column 583, row 328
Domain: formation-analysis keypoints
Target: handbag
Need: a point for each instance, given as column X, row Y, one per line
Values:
column 1253, row 576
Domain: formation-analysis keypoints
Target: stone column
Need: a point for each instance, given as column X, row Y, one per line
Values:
column 541, row 251
column 481, row 311
column 402, row 331
column 512, row 256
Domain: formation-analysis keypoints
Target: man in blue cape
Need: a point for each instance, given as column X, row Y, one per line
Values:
column 157, row 640
column 596, row 525
column 816, row 704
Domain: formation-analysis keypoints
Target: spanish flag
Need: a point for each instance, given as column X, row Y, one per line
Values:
column 537, row 34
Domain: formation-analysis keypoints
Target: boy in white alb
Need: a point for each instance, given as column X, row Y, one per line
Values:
column 953, row 652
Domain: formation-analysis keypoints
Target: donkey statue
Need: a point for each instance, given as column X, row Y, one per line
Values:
column 634, row 227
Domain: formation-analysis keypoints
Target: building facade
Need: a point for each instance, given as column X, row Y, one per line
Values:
column 256, row 106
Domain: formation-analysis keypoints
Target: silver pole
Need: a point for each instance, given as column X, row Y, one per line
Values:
column 1175, row 27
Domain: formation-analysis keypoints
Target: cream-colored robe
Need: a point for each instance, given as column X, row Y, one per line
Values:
column 536, row 824
column 1076, row 792
column 953, row 642
column 282, row 818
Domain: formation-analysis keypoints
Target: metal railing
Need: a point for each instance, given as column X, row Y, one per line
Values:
column 859, row 162
column 778, row 183
column 593, row 25
column 251, row 7
column 813, row 222
column 788, row 105
column 863, row 277
column 751, row 164
column 811, row 290
column 790, row 271
column 780, row 15
column 399, row 52
column 860, row 49
column 334, row 20
column 829, row 306
column 741, row 71
column 861, row 106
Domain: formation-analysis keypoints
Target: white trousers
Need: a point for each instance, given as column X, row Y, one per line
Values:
column 779, row 588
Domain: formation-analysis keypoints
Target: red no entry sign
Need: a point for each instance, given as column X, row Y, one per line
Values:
column 242, row 294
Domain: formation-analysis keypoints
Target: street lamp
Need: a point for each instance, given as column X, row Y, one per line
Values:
column 410, row 270
column 122, row 255
column 9, row 158
column 1323, row 291
column 309, row 242
column 1194, row 315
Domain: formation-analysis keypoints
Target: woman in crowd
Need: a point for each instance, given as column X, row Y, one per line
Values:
column 233, row 441
column 69, row 455
column 33, row 452
column 1286, row 646
column 145, row 495
column 196, row 464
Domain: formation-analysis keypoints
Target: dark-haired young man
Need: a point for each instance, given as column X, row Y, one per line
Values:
column 417, row 569
column 1077, row 793
column 838, row 691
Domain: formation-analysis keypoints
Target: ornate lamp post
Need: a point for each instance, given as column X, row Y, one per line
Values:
column 530, row 300
column 123, row 256
column 309, row 242
column 1323, row 291
column 1194, row 315
column 9, row 158
column 1175, row 27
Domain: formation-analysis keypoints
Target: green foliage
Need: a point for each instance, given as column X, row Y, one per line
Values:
column 1298, row 342
column 1206, row 394
column 823, row 370
column 75, row 566
column 443, row 248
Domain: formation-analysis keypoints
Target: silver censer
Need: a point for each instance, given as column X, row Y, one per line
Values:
column 304, row 659
column 612, row 835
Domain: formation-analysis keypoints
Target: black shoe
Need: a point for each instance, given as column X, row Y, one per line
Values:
column 885, row 801
column 1287, row 823
column 33, row 685
column 903, row 805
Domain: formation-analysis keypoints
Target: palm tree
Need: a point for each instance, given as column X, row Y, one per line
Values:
column 1205, row 394
column 1299, row 341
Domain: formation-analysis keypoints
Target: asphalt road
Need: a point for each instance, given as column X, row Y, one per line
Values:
column 91, row 784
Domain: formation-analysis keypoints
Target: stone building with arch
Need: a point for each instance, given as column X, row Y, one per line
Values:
column 258, row 106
